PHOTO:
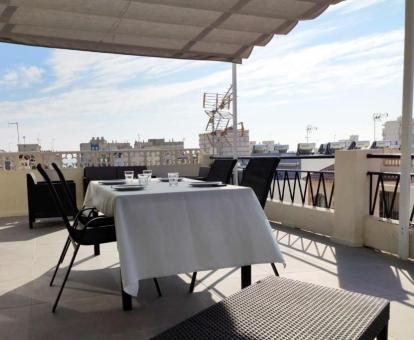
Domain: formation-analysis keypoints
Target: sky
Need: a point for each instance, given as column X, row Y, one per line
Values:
column 333, row 73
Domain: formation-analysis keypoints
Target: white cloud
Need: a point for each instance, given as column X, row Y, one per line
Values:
column 299, row 74
column 22, row 77
column 369, row 61
column 100, row 70
column 350, row 6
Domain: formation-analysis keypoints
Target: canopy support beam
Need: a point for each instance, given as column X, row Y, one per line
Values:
column 235, row 123
column 406, row 133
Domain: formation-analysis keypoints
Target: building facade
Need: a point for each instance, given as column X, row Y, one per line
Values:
column 159, row 144
column 101, row 144
column 29, row 148
column 392, row 131
column 221, row 143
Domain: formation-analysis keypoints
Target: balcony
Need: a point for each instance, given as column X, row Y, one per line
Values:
column 331, row 228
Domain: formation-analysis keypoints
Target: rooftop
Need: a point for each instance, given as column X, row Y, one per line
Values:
column 90, row 307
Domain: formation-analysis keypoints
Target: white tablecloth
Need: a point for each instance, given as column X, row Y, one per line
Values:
column 165, row 230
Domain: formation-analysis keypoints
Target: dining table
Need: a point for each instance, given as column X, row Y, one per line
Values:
column 165, row 230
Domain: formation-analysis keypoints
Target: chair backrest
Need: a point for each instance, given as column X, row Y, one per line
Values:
column 99, row 173
column 62, row 178
column 56, row 197
column 137, row 169
column 258, row 175
column 221, row 170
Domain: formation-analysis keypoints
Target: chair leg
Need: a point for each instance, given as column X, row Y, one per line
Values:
column 96, row 249
column 275, row 269
column 61, row 258
column 193, row 280
column 158, row 287
column 66, row 277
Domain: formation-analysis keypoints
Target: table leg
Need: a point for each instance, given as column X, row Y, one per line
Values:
column 126, row 299
column 383, row 334
column 246, row 276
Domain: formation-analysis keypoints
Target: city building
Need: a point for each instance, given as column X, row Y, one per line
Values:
column 159, row 144
column 392, row 131
column 220, row 143
column 101, row 144
column 28, row 147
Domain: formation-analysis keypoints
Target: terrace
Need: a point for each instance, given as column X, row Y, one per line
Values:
column 91, row 308
column 348, row 226
column 357, row 253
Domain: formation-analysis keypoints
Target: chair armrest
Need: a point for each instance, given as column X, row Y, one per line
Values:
column 99, row 222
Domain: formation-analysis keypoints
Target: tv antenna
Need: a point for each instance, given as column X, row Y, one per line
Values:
column 309, row 130
column 378, row 117
column 18, row 133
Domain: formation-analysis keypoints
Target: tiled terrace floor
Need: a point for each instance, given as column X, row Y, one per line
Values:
column 90, row 307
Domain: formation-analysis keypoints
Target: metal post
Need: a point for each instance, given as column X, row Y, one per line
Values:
column 406, row 131
column 235, row 132
column 18, row 133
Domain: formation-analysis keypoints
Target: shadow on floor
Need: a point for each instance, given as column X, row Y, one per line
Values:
column 14, row 229
column 361, row 269
column 91, row 306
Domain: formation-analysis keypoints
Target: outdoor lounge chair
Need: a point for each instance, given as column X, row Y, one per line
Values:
column 258, row 175
column 40, row 202
column 280, row 308
column 93, row 231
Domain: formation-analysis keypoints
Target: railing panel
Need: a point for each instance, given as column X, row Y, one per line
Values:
column 384, row 194
column 313, row 188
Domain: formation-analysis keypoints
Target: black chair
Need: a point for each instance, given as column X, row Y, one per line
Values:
column 95, row 231
column 87, row 213
column 221, row 170
column 258, row 175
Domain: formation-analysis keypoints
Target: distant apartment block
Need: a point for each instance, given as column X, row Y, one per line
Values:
column 220, row 143
column 29, row 148
column 101, row 144
column 392, row 131
column 159, row 144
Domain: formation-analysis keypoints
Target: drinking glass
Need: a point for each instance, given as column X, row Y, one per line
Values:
column 143, row 179
column 173, row 178
column 129, row 176
column 148, row 173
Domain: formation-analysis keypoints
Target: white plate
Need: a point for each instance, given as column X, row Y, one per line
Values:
column 112, row 182
column 207, row 184
column 128, row 187
column 165, row 179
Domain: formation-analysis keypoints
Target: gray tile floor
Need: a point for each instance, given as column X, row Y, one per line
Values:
column 90, row 307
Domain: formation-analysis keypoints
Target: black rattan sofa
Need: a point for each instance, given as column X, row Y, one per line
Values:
column 40, row 202
column 94, row 173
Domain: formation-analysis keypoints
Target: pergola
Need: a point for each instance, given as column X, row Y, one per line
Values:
column 219, row 30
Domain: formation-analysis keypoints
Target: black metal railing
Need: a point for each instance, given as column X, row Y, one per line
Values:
column 310, row 185
column 315, row 188
column 383, row 189
column 382, row 202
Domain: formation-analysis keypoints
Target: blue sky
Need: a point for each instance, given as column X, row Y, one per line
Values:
column 332, row 72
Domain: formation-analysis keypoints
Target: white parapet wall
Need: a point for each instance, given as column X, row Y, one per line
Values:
column 13, row 189
column 350, row 222
column 317, row 220
column 382, row 234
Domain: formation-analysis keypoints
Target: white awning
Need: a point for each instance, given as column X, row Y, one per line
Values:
column 223, row 30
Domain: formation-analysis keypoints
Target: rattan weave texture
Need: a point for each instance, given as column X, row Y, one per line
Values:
column 279, row 308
